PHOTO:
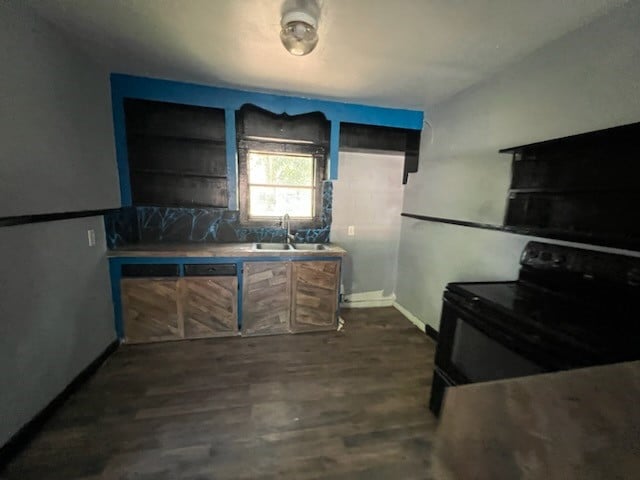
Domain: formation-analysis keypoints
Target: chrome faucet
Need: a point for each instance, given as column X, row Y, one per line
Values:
column 286, row 224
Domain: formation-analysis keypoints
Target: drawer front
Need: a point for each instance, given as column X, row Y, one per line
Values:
column 210, row 270
column 157, row 270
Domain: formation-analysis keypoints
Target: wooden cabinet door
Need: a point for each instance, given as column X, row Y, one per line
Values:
column 210, row 306
column 314, row 302
column 266, row 298
column 150, row 309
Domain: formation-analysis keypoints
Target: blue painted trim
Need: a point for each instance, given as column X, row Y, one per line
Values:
column 232, row 157
column 240, row 284
column 120, row 135
column 334, row 150
column 123, row 86
column 206, row 96
column 115, row 273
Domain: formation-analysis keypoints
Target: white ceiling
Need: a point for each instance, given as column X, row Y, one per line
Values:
column 404, row 53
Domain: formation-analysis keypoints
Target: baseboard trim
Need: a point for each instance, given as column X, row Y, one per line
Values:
column 383, row 302
column 427, row 329
column 431, row 332
column 30, row 429
column 371, row 299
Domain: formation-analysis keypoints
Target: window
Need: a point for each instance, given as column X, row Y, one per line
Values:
column 281, row 166
column 280, row 184
column 278, row 178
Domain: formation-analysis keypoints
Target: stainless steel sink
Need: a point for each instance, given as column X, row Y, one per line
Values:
column 281, row 247
column 273, row 247
column 310, row 246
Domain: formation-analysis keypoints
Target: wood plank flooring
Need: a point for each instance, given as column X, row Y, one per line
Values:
column 330, row 405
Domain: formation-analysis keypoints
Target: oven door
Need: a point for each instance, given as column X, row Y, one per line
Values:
column 471, row 349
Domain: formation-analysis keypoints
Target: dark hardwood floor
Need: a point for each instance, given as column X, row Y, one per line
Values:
column 337, row 405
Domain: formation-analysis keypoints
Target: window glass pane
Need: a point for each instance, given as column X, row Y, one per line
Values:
column 276, row 201
column 276, row 169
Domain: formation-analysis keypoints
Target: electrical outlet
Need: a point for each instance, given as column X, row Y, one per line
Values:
column 351, row 230
column 91, row 237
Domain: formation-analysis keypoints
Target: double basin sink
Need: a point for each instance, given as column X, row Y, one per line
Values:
column 280, row 247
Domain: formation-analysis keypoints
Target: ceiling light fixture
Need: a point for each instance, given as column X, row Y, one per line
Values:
column 299, row 33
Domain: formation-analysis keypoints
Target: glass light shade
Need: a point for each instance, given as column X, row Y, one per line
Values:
column 299, row 35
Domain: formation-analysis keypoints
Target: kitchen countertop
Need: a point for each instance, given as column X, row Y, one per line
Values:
column 577, row 424
column 217, row 250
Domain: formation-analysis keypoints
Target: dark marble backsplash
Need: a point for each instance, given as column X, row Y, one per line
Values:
column 147, row 224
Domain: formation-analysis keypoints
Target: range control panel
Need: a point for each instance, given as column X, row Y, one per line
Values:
column 590, row 264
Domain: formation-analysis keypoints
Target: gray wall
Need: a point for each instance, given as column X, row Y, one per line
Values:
column 585, row 81
column 55, row 313
column 55, row 304
column 57, row 152
column 368, row 195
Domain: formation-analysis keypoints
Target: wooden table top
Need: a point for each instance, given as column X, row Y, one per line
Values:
column 580, row 424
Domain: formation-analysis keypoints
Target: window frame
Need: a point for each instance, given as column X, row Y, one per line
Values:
column 319, row 154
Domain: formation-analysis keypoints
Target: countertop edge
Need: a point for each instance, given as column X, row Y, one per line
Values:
column 240, row 250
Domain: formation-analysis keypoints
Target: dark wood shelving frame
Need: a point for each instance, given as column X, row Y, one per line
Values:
column 578, row 188
column 159, row 135
column 175, row 173
column 142, row 135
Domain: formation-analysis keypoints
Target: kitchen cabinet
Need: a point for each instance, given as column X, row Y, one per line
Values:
column 204, row 303
column 283, row 297
column 314, row 298
column 580, row 188
column 209, row 306
column 223, row 291
column 266, row 298
column 358, row 137
column 150, row 309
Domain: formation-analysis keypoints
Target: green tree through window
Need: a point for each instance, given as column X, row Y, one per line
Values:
column 281, row 183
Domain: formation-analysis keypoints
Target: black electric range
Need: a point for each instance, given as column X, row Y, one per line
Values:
column 569, row 308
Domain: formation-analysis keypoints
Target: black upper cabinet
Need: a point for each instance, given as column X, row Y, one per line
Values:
column 582, row 188
column 146, row 117
column 411, row 154
column 177, row 154
column 356, row 137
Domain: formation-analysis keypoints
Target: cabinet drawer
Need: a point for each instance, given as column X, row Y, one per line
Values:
column 210, row 270
column 157, row 270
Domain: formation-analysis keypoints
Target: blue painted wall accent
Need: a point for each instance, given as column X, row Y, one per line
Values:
column 150, row 224
column 123, row 86
column 334, row 149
